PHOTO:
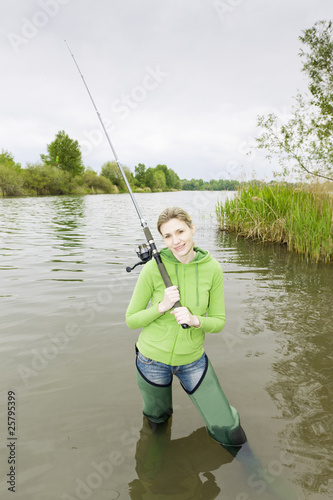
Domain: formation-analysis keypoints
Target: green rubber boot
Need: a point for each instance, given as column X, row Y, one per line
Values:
column 157, row 399
column 222, row 420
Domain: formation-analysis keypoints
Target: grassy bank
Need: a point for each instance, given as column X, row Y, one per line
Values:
column 298, row 217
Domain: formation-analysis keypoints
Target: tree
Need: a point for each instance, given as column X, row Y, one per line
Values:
column 11, row 181
column 97, row 183
column 7, row 159
column 171, row 178
column 35, row 178
column 140, row 172
column 304, row 144
column 111, row 171
column 150, row 179
column 65, row 153
column 173, row 181
column 160, row 180
column 46, row 179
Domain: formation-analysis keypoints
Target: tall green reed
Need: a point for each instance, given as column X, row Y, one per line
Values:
column 297, row 217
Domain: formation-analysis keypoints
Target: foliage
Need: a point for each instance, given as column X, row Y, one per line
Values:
column 111, row 171
column 65, row 153
column 47, row 180
column 159, row 178
column 304, row 144
column 97, row 183
column 279, row 213
column 140, row 172
column 40, row 179
column 7, row 159
column 150, row 180
column 11, row 182
column 212, row 185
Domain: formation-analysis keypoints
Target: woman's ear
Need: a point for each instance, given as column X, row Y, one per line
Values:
column 193, row 229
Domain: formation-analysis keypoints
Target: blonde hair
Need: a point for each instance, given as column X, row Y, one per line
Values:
column 173, row 213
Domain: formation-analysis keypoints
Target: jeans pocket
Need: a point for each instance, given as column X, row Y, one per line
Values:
column 143, row 359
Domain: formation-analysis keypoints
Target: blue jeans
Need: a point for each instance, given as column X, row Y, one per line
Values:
column 157, row 373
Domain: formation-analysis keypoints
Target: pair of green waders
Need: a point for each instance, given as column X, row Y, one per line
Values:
column 222, row 420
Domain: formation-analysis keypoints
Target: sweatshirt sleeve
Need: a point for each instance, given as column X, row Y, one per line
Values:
column 137, row 314
column 215, row 319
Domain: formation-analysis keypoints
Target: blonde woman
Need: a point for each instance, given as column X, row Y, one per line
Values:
column 164, row 348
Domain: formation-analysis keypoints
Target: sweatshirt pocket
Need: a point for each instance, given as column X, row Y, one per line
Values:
column 162, row 336
column 195, row 338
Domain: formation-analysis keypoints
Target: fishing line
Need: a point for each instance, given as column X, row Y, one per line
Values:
column 143, row 252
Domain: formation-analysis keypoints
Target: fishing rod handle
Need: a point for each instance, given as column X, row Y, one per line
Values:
column 167, row 282
column 160, row 265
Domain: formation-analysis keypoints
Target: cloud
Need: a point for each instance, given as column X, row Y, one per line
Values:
column 220, row 71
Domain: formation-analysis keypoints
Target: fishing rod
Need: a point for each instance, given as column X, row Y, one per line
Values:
column 144, row 253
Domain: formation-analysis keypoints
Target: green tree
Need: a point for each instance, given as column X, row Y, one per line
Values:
column 65, row 153
column 140, row 172
column 164, row 169
column 46, row 179
column 35, row 178
column 7, row 159
column 11, row 181
column 160, row 180
column 111, row 171
column 97, row 183
column 304, row 144
column 150, row 179
column 172, row 179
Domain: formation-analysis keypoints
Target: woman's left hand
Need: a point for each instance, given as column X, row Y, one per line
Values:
column 183, row 316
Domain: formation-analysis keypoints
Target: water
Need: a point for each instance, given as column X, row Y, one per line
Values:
column 68, row 356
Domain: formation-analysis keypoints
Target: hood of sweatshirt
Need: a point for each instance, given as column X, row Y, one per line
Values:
column 202, row 256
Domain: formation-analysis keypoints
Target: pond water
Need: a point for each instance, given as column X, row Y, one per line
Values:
column 67, row 357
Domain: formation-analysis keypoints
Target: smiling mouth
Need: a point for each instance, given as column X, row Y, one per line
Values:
column 179, row 248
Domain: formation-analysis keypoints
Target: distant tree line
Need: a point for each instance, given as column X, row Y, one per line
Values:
column 61, row 171
column 212, row 185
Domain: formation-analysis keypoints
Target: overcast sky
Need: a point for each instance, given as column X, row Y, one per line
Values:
column 177, row 82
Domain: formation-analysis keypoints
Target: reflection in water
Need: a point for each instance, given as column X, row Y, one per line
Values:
column 292, row 302
column 181, row 469
column 67, row 220
column 69, row 228
column 171, row 469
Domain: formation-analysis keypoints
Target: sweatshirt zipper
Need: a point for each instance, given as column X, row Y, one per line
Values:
column 183, row 293
column 173, row 348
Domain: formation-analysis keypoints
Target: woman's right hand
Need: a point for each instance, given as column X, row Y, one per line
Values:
column 171, row 295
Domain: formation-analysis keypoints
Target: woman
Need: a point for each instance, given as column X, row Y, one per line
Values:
column 164, row 348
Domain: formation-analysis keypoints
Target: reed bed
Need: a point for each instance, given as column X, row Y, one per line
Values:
column 297, row 217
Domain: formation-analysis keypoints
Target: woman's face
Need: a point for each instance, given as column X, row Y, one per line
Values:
column 178, row 236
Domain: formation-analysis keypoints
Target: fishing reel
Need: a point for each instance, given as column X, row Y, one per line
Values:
column 143, row 251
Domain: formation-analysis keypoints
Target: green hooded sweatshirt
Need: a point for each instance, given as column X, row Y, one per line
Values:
column 200, row 284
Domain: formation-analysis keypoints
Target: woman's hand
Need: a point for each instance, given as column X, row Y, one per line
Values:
column 171, row 295
column 183, row 316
